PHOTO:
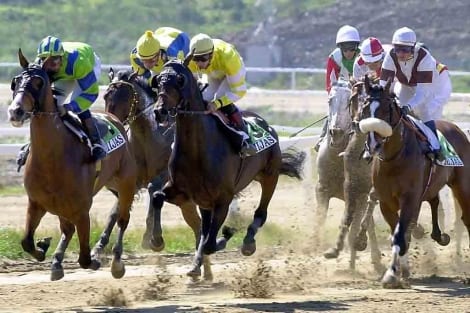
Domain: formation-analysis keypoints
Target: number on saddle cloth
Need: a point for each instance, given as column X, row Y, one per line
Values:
column 260, row 137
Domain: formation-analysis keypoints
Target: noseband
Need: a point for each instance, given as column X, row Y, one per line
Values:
column 26, row 85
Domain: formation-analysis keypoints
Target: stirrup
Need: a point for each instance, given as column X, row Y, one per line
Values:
column 98, row 152
column 248, row 149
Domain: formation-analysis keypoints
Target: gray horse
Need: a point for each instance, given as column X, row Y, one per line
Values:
column 343, row 175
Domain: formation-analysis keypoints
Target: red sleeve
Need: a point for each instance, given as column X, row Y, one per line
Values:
column 331, row 69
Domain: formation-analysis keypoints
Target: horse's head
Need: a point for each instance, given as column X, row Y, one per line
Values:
column 177, row 90
column 30, row 92
column 378, row 114
column 339, row 119
column 121, row 97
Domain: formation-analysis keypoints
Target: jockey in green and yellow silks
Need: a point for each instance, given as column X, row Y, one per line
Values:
column 74, row 68
column 225, row 70
column 153, row 49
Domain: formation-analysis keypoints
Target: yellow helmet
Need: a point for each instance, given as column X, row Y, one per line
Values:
column 202, row 44
column 147, row 46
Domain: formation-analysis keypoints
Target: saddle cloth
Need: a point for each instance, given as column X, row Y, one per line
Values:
column 452, row 159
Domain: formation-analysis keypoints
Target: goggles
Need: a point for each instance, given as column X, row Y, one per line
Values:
column 403, row 49
column 348, row 46
column 202, row 58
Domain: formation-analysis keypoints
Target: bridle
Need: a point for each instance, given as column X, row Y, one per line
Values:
column 26, row 85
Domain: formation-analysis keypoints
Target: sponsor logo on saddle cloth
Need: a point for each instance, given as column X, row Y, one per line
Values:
column 451, row 157
column 112, row 137
column 260, row 137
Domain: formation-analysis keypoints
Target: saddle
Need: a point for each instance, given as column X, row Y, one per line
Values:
column 423, row 132
column 261, row 138
column 111, row 136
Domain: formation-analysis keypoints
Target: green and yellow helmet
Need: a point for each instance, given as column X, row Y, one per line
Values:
column 50, row 46
column 201, row 44
column 147, row 46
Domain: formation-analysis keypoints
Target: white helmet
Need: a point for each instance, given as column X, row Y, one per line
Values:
column 347, row 34
column 404, row 36
column 372, row 50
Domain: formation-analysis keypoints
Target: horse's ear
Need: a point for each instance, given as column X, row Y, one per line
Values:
column 154, row 81
column 23, row 62
column 367, row 83
column 181, row 80
column 111, row 74
column 133, row 76
column 387, row 85
column 188, row 58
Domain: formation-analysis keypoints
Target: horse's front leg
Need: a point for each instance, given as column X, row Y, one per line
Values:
column 206, row 219
column 153, row 220
column 34, row 215
column 67, row 229
column 409, row 211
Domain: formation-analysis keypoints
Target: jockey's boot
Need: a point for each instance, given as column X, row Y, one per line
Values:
column 437, row 154
column 98, row 151
column 247, row 149
column 322, row 136
column 22, row 156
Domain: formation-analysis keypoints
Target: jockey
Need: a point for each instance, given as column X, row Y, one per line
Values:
column 154, row 49
column 416, row 71
column 340, row 62
column 225, row 72
column 75, row 68
column 370, row 58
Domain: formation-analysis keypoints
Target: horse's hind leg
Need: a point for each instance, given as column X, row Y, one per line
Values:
column 268, row 185
column 441, row 238
column 458, row 227
column 67, row 229
column 126, row 197
column 462, row 194
column 34, row 215
column 98, row 249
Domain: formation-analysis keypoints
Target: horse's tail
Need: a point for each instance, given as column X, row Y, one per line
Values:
column 292, row 163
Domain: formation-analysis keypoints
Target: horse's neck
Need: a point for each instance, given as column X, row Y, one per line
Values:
column 194, row 133
column 402, row 138
column 49, row 137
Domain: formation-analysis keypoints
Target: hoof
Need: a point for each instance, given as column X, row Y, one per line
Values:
column 418, row 232
column 157, row 245
column 445, row 239
column 57, row 273
column 208, row 277
column 248, row 248
column 360, row 244
column 195, row 273
column 117, row 269
column 94, row 265
column 331, row 253
column 390, row 280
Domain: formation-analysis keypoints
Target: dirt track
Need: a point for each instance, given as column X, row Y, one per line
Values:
column 288, row 278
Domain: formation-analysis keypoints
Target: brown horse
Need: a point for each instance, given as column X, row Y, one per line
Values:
column 205, row 167
column 60, row 177
column 403, row 176
column 128, row 97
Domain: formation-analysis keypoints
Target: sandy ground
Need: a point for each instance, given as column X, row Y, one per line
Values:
column 292, row 277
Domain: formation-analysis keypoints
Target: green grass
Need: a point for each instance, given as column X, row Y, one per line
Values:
column 178, row 239
column 11, row 190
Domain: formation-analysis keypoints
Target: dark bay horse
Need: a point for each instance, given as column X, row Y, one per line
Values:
column 128, row 98
column 344, row 175
column 205, row 167
column 403, row 176
column 60, row 177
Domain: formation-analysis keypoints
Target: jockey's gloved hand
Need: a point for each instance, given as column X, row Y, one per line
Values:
column 405, row 110
column 62, row 110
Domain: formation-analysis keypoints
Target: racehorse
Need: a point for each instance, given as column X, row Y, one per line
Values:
column 403, row 176
column 60, row 177
column 343, row 175
column 205, row 166
column 128, row 97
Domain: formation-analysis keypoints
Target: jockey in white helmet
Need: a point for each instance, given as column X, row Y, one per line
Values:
column 415, row 69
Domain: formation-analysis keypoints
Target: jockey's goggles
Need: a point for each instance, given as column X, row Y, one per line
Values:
column 52, row 59
column 202, row 58
column 403, row 49
column 348, row 46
